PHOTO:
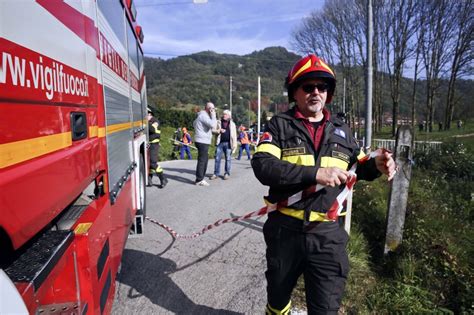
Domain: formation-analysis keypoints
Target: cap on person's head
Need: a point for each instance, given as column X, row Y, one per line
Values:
column 227, row 112
column 149, row 111
column 310, row 67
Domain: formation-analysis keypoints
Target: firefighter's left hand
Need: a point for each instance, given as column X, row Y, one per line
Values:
column 386, row 164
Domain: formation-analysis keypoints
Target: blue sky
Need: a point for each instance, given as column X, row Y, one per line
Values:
column 179, row 27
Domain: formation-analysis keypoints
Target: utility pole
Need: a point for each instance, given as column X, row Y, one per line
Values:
column 344, row 97
column 258, row 102
column 368, row 94
column 230, row 91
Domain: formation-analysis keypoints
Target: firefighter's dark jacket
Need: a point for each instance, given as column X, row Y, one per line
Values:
column 287, row 162
column 154, row 131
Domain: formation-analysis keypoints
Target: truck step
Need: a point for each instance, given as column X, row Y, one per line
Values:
column 137, row 227
column 39, row 258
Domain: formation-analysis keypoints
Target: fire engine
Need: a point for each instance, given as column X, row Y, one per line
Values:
column 73, row 151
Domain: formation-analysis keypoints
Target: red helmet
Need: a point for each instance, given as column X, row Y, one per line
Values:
column 310, row 67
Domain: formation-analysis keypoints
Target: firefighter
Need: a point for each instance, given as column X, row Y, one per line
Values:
column 154, row 133
column 300, row 148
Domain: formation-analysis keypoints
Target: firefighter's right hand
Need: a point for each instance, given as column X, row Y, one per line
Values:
column 331, row 176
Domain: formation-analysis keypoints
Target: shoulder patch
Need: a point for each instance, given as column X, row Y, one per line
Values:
column 265, row 137
column 339, row 132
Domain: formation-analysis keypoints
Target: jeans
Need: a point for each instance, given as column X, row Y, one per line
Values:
column 247, row 149
column 203, row 157
column 223, row 147
column 185, row 149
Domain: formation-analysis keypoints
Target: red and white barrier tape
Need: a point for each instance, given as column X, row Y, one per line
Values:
column 174, row 234
column 332, row 213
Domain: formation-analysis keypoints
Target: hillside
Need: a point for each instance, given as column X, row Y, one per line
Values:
column 198, row 78
column 187, row 81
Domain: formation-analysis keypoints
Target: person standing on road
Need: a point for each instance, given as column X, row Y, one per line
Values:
column 154, row 135
column 244, row 143
column 300, row 148
column 186, row 140
column 176, row 144
column 203, row 125
column 226, row 143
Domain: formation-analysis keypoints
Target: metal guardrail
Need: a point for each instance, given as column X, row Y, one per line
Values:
column 419, row 145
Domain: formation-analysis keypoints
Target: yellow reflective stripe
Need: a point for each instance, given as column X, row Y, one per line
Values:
column 101, row 132
column 313, row 216
column 303, row 68
column 269, row 148
column 82, row 228
column 361, row 155
column 327, row 161
column 118, row 127
column 138, row 123
column 23, row 150
column 304, row 159
column 284, row 311
column 93, row 131
column 325, row 66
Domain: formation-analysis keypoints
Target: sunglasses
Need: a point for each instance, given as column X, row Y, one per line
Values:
column 309, row 88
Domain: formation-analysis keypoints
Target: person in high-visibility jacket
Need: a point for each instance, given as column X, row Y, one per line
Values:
column 186, row 140
column 300, row 148
column 243, row 137
column 154, row 135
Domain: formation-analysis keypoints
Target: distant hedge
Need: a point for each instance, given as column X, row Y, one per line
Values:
column 175, row 118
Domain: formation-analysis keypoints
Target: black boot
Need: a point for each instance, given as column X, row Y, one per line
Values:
column 163, row 180
column 150, row 180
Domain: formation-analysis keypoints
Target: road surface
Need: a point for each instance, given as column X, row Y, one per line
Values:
column 220, row 272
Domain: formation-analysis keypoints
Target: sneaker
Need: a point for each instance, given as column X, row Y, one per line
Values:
column 226, row 176
column 213, row 177
column 202, row 183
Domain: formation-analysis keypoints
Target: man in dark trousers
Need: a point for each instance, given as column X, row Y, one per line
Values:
column 204, row 123
column 154, row 135
column 299, row 149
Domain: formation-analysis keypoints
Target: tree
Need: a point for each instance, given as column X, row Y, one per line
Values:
column 462, row 55
column 437, row 29
column 397, row 22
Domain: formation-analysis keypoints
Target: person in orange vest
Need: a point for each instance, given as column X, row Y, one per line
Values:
column 186, row 139
column 244, row 142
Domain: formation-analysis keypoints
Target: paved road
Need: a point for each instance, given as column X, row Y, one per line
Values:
column 220, row 272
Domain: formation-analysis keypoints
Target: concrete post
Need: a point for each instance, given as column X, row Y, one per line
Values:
column 399, row 190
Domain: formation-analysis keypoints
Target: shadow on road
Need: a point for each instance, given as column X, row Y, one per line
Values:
column 177, row 177
column 151, row 279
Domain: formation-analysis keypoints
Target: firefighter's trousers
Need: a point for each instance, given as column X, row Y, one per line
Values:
column 154, row 151
column 320, row 256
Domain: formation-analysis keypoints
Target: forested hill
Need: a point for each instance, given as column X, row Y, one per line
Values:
column 204, row 76
column 188, row 81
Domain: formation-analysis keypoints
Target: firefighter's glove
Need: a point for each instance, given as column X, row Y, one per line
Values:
column 331, row 176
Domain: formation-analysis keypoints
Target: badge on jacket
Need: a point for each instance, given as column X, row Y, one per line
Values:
column 265, row 137
column 340, row 133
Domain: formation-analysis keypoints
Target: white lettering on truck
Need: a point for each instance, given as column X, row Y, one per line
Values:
column 50, row 78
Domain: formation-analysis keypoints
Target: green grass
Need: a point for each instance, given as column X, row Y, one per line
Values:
column 432, row 271
column 464, row 135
